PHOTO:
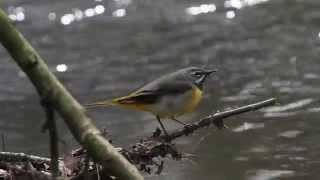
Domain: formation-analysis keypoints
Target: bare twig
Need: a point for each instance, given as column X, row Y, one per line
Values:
column 54, row 145
column 22, row 172
column 97, row 168
column 217, row 119
column 86, row 167
column 22, row 157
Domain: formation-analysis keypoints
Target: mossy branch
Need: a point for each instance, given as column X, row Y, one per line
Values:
column 71, row 111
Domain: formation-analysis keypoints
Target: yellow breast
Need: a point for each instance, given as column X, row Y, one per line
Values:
column 193, row 102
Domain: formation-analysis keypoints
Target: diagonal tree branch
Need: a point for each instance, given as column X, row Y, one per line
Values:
column 71, row 111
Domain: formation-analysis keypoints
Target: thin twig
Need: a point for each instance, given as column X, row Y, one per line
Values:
column 98, row 171
column 22, row 172
column 54, row 144
column 217, row 119
column 22, row 157
column 86, row 167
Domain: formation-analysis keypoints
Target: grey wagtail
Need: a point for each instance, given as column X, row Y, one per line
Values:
column 169, row 96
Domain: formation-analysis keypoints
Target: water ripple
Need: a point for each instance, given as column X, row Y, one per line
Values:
column 290, row 133
column 247, row 126
column 290, row 106
column 279, row 114
column 264, row 174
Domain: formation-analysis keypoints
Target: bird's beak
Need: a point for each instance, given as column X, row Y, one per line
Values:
column 208, row 72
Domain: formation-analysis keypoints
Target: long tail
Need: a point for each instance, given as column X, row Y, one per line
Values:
column 125, row 101
column 99, row 104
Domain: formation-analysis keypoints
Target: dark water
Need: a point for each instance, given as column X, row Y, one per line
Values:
column 262, row 49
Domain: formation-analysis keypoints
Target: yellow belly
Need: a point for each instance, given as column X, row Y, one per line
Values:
column 187, row 103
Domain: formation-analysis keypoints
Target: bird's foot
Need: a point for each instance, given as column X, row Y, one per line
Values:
column 220, row 124
column 188, row 129
column 156, row 133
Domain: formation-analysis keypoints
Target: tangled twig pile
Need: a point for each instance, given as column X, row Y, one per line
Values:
column 144, row 152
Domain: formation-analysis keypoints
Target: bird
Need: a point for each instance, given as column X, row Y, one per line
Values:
column 168, row 96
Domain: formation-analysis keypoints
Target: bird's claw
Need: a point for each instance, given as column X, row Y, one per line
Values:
column 220, row 124
column 188, row 129
column 156, row 133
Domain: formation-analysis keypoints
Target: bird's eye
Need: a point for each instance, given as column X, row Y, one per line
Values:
column 197, row 74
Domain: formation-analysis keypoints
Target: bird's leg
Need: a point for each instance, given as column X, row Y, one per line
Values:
column 176, row 120
column 162, row 126
column 187, row 127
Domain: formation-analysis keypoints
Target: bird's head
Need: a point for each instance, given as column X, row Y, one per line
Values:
column 197, row 75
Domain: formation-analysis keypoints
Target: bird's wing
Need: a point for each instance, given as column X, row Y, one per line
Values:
column 151, row 94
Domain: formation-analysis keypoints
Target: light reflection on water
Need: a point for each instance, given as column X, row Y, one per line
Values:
column 238, row 4
column 52, row 16
column 230, row 14
column 61, row 67
column 78, row 14
column 201, row 9
column 290, row 133
column 247, row 126
column 260, row 51
column 16, row 13
column 264, row 174
column 122, row 3
column 291, row 106
column 119, row 13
